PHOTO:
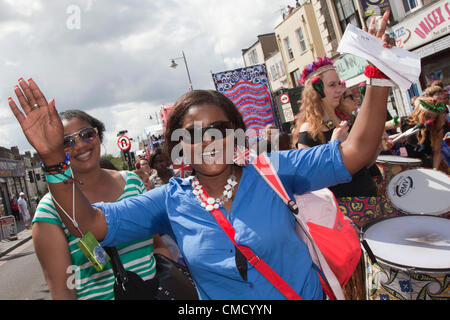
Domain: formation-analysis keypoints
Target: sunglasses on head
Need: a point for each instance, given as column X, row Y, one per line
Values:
column 86, row 134
column 196, row 133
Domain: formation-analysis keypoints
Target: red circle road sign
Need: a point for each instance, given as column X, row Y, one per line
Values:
column 124, row 143
column 284, row 98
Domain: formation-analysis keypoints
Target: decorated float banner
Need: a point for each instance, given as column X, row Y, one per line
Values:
column 248, row 88
column 374, row 8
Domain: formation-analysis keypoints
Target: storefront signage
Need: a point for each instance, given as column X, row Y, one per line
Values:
column 11, row 168
column 349, row 66
column 428, row 24
column 374, row 7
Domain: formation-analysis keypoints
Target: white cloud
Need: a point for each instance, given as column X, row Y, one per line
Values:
column 116, row 66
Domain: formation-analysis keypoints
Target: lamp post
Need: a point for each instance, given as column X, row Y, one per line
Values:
column 174, row 65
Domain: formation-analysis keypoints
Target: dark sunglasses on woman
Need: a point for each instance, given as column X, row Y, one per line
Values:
column 86, row 134
column 198, row 133
column 351, row 96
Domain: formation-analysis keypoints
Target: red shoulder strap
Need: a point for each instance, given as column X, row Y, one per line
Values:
column 264, row 167
column 252, row 258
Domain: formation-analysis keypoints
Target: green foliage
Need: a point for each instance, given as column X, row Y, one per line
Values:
column 118, row 162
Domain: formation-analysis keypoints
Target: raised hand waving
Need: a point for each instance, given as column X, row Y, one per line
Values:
column 39, row 120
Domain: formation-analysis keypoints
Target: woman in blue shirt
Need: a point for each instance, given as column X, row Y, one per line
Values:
column 261, row 220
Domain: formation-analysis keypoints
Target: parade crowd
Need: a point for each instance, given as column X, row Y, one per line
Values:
column 168, row 208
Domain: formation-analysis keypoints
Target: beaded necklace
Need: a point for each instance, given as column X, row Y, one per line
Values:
column 214, row 203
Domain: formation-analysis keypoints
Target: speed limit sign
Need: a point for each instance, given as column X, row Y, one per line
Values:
column 284, row 98
column 124, row 143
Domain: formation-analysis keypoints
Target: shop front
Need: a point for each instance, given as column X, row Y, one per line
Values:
column 427, row 33
column 12, row 182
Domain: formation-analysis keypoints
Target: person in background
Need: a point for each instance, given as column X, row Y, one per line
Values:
column 145, row 177
column 142, row 163
column 346, row 110
column 161, row 164
column 283, row 141
column 23, row 210
column 438, row 93
column 15, row 208
column 426, row 143
column 107, row 164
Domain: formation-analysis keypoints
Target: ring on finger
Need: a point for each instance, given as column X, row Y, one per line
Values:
column 34, row 106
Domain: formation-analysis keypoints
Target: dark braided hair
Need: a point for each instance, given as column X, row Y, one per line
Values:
column 81, row 115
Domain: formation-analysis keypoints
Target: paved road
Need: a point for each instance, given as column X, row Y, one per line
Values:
column 21, row 275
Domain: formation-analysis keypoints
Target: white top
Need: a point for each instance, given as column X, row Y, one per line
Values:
column 23, row 207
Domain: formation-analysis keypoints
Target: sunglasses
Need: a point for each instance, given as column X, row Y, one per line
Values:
column 351, row 96
column 86, row 134
column 196, row 133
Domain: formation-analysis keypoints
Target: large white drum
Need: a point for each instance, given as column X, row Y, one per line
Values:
column 398, row 160
column 391, row 165
column 412, row 258
column 420, row 191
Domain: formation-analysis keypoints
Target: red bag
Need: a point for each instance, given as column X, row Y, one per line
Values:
column 332, row 232
column 331, row 239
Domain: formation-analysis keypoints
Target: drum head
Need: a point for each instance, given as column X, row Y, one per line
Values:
column 421, row 242
column 398, row 160
column 420, row 191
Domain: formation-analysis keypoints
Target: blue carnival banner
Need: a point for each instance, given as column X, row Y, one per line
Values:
column 248, row 88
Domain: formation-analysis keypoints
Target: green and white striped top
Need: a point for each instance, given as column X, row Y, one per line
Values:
column 136, row 256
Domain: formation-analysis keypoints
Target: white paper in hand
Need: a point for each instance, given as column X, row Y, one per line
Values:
column 402, row 66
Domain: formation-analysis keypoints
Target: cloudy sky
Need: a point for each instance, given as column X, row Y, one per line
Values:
column 111, row 57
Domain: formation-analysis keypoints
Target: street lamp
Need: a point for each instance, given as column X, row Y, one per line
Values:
column 174, row 65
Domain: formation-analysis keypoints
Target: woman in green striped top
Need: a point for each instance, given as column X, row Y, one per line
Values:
column 68, row 273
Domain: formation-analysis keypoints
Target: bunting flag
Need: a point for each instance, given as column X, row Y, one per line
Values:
column 181, row 170
column 248, row 88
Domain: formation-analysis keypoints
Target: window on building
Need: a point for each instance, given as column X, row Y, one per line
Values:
column 295, row 76
column 287, row 46
column 410, row 5
column 274, row 72
column 301, row 40
column 253, row 57
column 347, row 13
column 280, row 69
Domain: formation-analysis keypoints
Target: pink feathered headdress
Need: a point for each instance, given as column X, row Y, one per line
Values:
column 316, row 68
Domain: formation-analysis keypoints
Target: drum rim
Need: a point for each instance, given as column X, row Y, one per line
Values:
column 438, row 213
column 409, row 268
column 393, row 264
column 415, row 160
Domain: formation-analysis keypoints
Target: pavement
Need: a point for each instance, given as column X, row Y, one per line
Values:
column 23, row 236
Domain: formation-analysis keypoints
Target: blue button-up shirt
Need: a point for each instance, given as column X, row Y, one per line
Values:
column 260, row 218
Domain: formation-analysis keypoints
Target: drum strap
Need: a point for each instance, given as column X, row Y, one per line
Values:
column 372, row 257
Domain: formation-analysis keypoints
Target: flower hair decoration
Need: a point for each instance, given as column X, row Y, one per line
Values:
column 316, row 68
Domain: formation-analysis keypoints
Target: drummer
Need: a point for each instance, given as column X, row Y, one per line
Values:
column 425, row 144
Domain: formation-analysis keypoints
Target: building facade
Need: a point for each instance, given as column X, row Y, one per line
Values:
column 424, row 28
column 265, row 47
column 19, row 173
column 422, row 24
column 299, row 40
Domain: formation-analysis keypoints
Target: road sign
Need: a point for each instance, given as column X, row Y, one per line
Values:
column 284, row 98
column 8, row 228
column 124, row 143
